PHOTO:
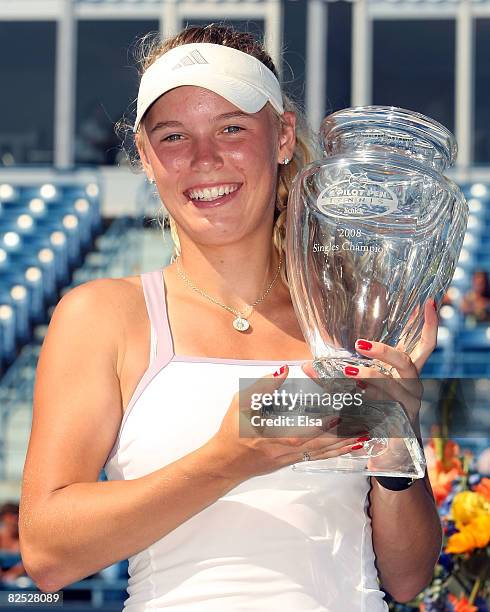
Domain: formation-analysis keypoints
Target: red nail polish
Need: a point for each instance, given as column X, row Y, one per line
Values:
column 351, row 371
column 361, row 384
column 357, row 446
column 364, row 345
column 363, row 439
column 280, row 371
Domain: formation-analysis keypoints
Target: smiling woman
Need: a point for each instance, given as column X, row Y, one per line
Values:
column 213, row 147
column 207, row 508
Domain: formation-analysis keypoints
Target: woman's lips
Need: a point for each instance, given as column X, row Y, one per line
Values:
column 224, row 199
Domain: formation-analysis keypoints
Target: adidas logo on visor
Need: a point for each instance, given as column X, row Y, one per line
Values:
column 194, row 57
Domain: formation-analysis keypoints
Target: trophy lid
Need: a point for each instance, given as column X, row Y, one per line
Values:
column 389, row 128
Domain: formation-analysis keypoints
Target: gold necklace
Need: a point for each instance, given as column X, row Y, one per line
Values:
column 240, row 323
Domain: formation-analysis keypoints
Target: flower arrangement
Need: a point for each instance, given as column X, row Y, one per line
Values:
column 461, row 581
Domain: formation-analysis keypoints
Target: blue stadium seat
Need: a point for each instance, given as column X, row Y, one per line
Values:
column 7, row 331
column 32, row 280
column 57, row 209
column 8, row 192
column 70, row 226
column 30, row 227
column 15, row 205
column 56, row 241
column 43, row 258
column 19, row 302
column 472, row 364
column 474, row 339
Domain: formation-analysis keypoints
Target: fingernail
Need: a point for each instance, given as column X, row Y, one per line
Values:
column 280, row 372
column 351, row 371
column 357, row 446
column 364, row 345
column 361, row 384
column 363, row 439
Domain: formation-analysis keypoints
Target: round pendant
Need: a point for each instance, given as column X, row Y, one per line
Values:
column 241, row 324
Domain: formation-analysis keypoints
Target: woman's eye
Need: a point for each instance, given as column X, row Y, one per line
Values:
column 172, row 137
column 233, row 129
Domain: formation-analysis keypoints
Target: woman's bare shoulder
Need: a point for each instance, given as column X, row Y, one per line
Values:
column 108, row 287
column 109, row 301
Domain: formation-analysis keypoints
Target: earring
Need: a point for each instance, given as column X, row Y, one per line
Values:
column 286, row 161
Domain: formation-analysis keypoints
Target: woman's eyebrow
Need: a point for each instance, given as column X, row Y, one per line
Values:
column 162, row 124
column 231, row 115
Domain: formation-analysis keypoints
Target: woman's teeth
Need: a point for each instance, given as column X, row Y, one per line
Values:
column 211, row 193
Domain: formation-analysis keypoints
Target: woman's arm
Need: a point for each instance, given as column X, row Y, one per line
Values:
column 79, row 529
column 407, row 536
column 70, row 525
column 407, row 533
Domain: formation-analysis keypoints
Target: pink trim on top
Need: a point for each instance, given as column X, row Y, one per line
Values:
column 164, row 350
column 154, row 290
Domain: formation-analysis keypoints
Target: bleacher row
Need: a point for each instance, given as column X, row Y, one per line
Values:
column 47, row 234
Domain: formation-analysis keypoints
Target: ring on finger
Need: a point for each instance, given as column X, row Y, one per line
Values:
column 387, row 370
column 306, row 456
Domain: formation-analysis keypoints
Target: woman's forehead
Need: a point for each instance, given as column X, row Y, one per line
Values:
column 193, row 102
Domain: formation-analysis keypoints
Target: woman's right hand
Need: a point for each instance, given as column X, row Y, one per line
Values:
column 242, row 450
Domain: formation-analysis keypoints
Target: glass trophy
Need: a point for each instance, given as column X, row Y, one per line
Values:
column 374, row 230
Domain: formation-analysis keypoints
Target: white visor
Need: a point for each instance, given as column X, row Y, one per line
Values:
column 238, row 77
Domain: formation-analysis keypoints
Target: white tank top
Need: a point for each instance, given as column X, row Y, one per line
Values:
column 287, row 540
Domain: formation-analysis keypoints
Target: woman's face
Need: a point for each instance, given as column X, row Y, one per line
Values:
column 215, row 167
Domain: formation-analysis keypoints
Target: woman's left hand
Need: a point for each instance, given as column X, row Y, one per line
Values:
column 406, row 388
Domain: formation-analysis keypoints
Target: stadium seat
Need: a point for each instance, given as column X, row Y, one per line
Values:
column 474, row 339
column 31, row 279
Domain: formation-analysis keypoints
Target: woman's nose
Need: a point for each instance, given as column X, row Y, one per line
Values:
column 206, row 156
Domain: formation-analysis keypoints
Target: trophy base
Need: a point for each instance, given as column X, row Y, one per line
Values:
column 392, row 450
column 404, row 458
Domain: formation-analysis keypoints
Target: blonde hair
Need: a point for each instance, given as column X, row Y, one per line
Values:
column 151, row 47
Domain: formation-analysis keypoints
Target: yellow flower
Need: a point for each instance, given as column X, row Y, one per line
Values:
column 466, row 506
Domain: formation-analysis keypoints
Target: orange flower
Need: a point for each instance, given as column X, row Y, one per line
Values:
column 483, row 487
column 461, row 542
column 461, row 605
column 445, row 468
column 441, row 482
column 448, row 453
